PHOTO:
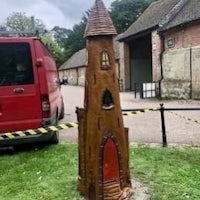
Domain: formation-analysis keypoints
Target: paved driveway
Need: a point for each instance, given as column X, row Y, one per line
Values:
column 145, row 127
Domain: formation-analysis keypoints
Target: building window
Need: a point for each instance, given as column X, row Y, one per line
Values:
column 107, row 100
column 171, row 42
column 105, row 64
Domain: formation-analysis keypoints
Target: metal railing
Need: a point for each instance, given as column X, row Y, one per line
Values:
column 162, row 110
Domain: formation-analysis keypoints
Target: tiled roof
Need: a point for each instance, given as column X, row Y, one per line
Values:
column 76, row 60
column 189, row 12
column 79, row 58
column 99, row 21
column 152, row 16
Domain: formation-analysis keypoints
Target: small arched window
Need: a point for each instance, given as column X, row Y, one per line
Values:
column 107, row 100
column 105, row 63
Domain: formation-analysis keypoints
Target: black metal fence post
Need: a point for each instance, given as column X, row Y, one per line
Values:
column 164, row 137
column 135, row 89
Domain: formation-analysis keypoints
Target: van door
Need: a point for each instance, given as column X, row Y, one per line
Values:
column 20, row 107
column 49, row 84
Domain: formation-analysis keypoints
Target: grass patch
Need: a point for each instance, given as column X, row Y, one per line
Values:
column 51, row 173
column 46, row 173
column 171, row 174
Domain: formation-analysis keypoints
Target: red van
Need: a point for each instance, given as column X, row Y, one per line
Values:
column 30, row 95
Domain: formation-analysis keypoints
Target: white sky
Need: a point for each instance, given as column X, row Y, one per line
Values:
column 63, row 13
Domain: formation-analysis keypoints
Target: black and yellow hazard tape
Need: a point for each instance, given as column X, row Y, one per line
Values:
column 137, row 112
column 42, row 130
column 184, row 117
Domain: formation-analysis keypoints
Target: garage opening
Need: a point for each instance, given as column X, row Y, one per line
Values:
column 140, row 62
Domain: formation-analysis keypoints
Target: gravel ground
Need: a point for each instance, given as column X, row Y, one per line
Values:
column 144, row 128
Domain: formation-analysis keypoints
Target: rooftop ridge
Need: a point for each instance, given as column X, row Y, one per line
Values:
column 172, row 13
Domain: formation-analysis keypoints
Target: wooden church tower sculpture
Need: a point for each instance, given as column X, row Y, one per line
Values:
column 103, row 140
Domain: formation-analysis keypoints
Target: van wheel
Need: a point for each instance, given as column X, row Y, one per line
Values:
column 55, row 137
column 62, row 113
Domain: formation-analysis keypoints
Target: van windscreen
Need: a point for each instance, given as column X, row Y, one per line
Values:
column 15, row 64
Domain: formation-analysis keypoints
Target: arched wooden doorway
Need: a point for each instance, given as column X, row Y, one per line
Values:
column 110, row 170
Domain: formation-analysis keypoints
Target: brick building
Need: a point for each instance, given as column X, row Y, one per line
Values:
column 163, row 46
column 74, row 68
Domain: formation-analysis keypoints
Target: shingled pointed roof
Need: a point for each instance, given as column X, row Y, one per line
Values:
column 99, row 22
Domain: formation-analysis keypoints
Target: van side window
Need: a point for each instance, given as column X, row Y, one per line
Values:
column 15, row 64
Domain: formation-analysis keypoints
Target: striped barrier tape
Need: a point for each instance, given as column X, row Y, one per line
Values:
column 43, row 130
column 184, row 117
column 137, row 112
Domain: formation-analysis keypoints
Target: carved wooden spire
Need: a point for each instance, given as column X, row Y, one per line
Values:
column 99, row 22
column 103, row 139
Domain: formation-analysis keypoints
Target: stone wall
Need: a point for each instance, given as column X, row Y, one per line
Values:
column 156, row 51
column 81, row 76
column 195, row 64
column 76, row 76
column 176, row 74
column 181, row 71
column 181, row 63
column 124, row 66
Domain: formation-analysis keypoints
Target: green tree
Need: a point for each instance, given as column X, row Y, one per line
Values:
column 125, row 12
column 3, row 29
column 75, row 40
column 60, row 35
column 52, row 45
column 18, row 21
